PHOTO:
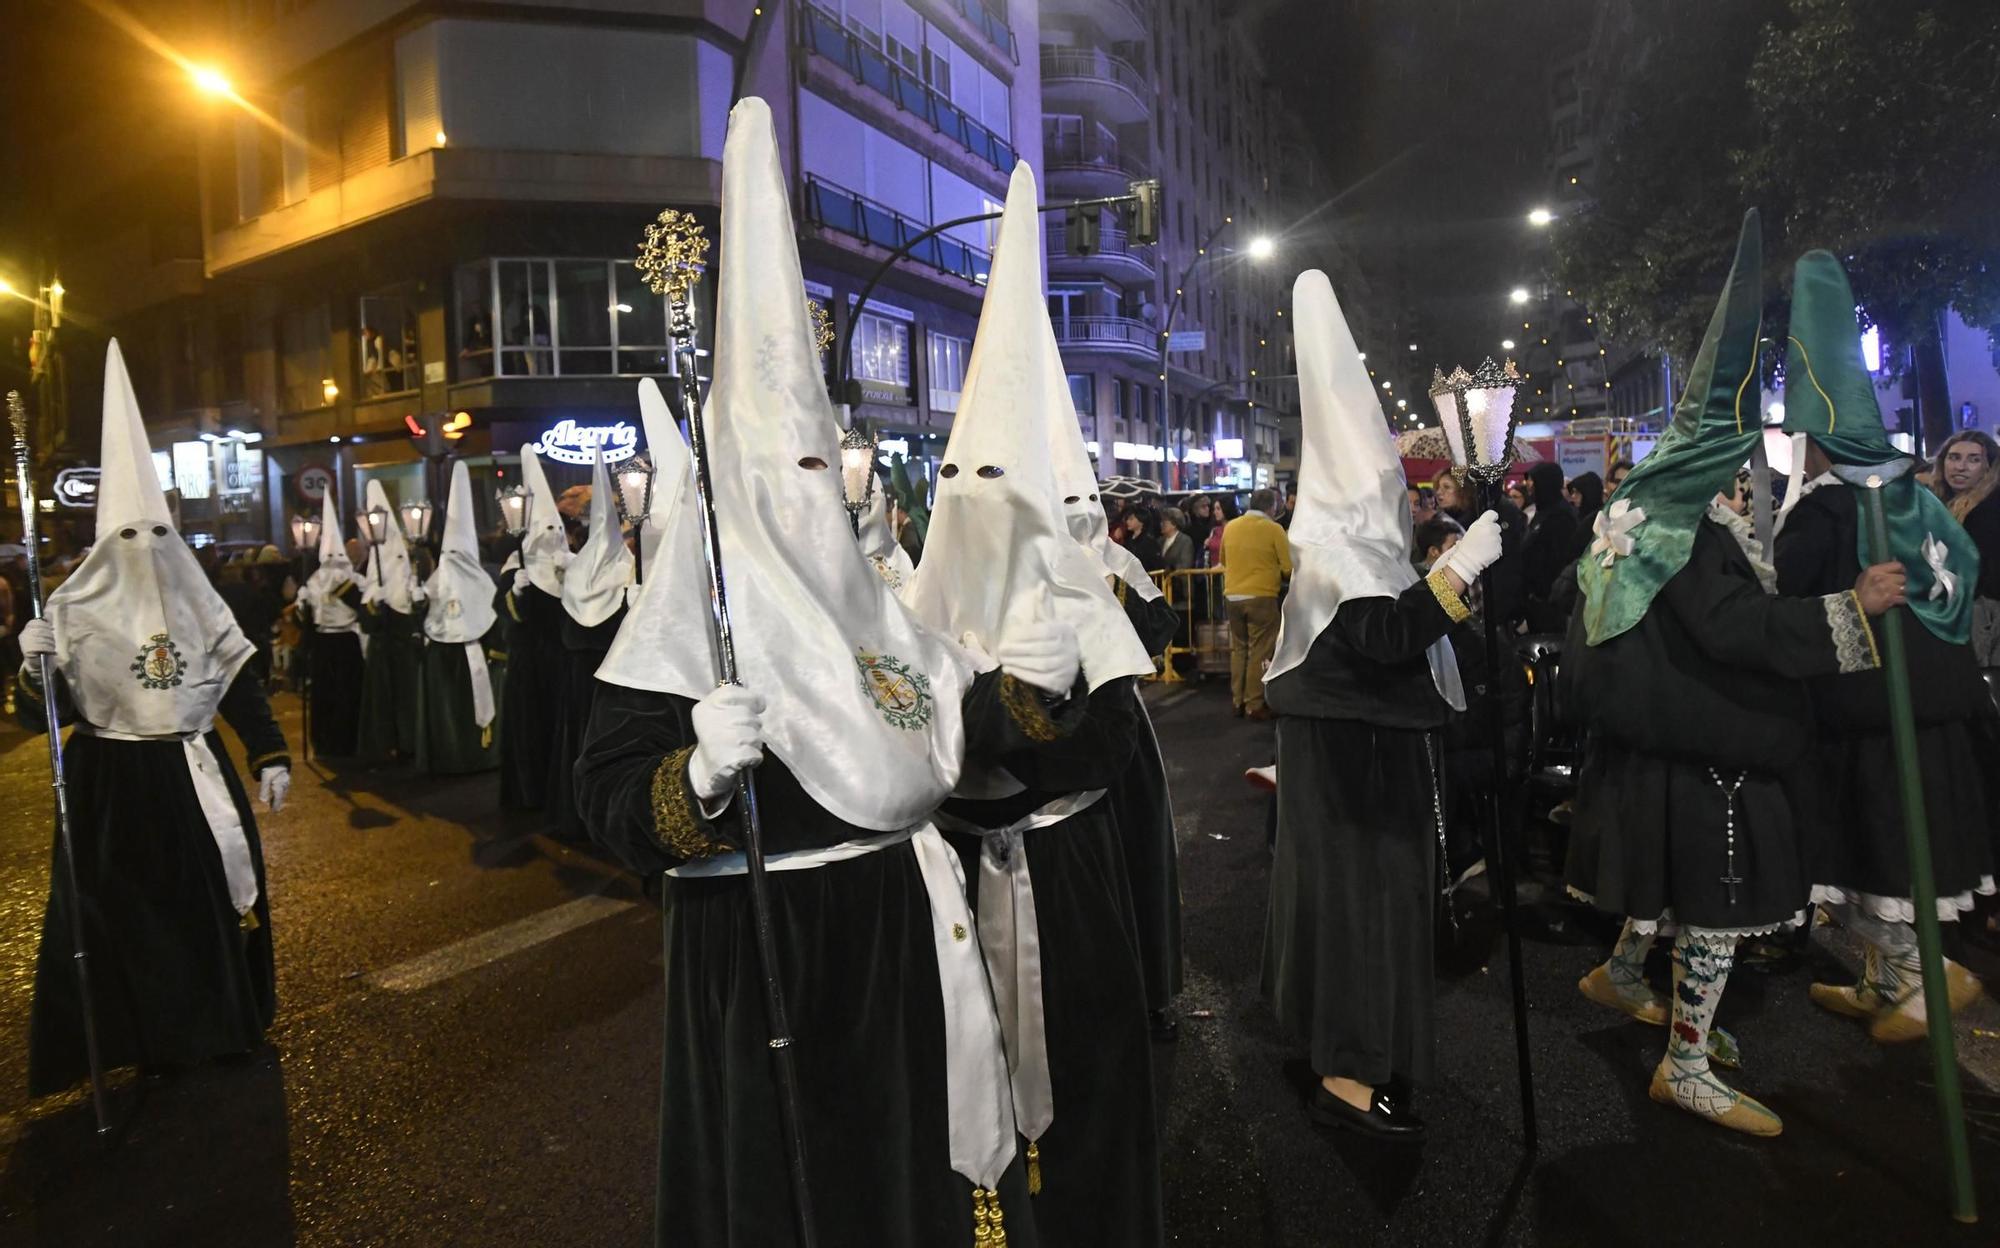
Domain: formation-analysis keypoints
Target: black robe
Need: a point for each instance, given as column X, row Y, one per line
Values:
column 583, row 649
column 389, row 679
column 450, row 741
column 1709, row 685
column 1860, row 846
column 336, row 668
column 177, row 977
column 1348, row 935
column 532, row 712
column 1100, row 1158
column 1144, row 812
column 859, row 971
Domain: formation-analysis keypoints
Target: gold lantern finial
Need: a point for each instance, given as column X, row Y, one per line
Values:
column 674, row 254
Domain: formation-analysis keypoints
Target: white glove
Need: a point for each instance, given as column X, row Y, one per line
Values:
column 1476, row 551
column 729, row 740
column 1043, row 654
column 274, row 787
column 37, row 637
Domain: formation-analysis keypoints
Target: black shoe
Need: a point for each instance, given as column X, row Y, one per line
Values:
column 1166, row 1028
column 1384, row 1121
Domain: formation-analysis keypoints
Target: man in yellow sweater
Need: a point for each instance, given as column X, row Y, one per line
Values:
column 1256, row 556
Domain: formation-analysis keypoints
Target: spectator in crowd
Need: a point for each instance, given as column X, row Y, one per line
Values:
column 1141, row 537
column 1202, row 519
column 1434, row 537
column 1550, row 545
column 1456, row 501
column 1517, row 494
column 1176, row 548
column 1968, row 468
column 1423, row 505
column 1256, row 557
column 1586, row 494
column 1616, row 477
column 256, row 598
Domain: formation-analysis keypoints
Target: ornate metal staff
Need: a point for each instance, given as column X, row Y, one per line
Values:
column 24, row 486
column 671, row 259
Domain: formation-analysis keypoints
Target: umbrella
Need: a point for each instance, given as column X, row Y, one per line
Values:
column 1429, row 443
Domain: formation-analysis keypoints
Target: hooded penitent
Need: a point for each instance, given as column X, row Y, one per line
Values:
column 594, row 586
column 1083, row 512
column 391, row 581
column 1645, row 535
column 891, row 561
column 545, row 554
column 862, row 703
column 321, row 591
column 1351, row 524
column 998, row 544
column 1830, row 398
column 145, row 644
column 461, row 593
column 673, row 493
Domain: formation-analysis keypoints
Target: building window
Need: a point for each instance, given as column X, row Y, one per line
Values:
column 558, row 318
column 390, row 361
column 1083, row 393
column 304, row 358
column 293, row 150
column 948, row 356
column 881, row 351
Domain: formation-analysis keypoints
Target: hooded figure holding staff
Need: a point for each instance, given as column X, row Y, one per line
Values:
column 530, row 608
column 456, row 691
column 168, row 862
column 331, row 602
column 854, row 720
column 594, row 594
column 391, row 619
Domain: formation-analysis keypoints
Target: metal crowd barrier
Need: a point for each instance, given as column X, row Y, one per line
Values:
column 1196, row 593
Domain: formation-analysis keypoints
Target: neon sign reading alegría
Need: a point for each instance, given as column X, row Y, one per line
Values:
column 572, row 443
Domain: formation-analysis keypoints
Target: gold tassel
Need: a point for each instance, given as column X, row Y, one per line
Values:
column 1034, row 1168
column 991, row 1223
column 982, row 1231
column 486, row 737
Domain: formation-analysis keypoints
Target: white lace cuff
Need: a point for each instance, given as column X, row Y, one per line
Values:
column 1853, row 638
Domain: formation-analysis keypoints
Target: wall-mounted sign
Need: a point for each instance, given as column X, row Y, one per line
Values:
column 1138, row 452
column 1188, row 340
column 1229, row 448
column 573, row 443
column 77, row 487
column 194, row 470
column 313, row 481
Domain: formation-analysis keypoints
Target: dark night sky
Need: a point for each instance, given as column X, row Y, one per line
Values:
column 1432, row 117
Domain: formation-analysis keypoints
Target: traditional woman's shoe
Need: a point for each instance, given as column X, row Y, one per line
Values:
column 1848, row 1001
column 1384, row 1119
column 1726, row 1106
column 1597, row 986
column 1905, row 1021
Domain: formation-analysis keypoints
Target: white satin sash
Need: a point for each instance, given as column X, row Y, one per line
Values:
column 217, row 807
column 981, row 1126
column 482, row 683
column 1010, row 936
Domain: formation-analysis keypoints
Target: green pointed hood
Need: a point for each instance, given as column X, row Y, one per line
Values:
column 1830, row 398
column 1645, row 534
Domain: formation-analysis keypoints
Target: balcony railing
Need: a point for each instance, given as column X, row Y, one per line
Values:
column 1107, row 333
column 1092, row 152
column 857, row 216
column 992, row 25
column 823, row 34
column 1099, row 66
column 1111, row 241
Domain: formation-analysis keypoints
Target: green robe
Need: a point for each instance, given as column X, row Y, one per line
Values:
column 449, row 742
column 389, row 684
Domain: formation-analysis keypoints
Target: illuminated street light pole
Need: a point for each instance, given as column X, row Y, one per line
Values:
column 1258, row 249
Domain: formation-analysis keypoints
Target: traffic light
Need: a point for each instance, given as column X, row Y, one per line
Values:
column 1146, row 211
column 1080, row 231
column 436, row 431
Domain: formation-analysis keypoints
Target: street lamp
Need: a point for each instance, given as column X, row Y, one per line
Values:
column 515, row 504
column 1518, row 295
column 632, row 491
column 305, row 534
column 375, row 524
column 857, row 474
column 417, row 521
column 1540, row 217
column 1260, row 248
column 210, row 81
column 1506, row 344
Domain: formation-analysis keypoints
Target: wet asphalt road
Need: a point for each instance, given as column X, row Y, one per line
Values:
column 468, row 1042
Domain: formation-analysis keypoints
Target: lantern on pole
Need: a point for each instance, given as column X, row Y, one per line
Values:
column 857, row 474
column 632, row 490
column 417, row 521
column 1478, row 415
column 515, row 504
column 375, row 522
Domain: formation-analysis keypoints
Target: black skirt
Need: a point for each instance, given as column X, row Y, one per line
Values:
column 860, row 977
column 175, row 976
column 336, row 669
column 1348, row 935
column 532, row 705
column 1144, row 813
column 1650, row 840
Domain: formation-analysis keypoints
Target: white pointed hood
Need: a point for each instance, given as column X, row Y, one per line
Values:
column 892, row 562
column 594, row 587
column 666, row 636
column 1350, row 527
column 545, row 553
column 862, row 703
column 460, row 592
column 1083, row 511
column 321, row 592
column 396, row 585
column 145, row 643
column 998, row 543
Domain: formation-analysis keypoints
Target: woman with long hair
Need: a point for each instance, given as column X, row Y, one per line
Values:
column 1968, row 472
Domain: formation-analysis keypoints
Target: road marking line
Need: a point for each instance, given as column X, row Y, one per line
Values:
column 490, row 946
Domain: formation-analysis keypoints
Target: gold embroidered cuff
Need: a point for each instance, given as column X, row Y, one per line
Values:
column 1448, row 598
column 1024, row 706
column 675, row 823
column 1853, row 635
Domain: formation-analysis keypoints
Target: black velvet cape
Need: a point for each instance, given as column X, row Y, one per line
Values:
column 532, row 712
column 389, row 678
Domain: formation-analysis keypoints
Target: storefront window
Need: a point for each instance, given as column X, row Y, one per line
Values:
column 880, row 357
column 567, row 318
column 947, row 357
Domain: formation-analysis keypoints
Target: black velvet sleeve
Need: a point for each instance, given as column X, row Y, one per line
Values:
column 1808, row 558
column 246, row 709
column 1085, row 743
column 631, row 781
column 1718, row 601
column 1004, row 716
column 28, row 706
column 1395, row 630
column 1155, row 621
